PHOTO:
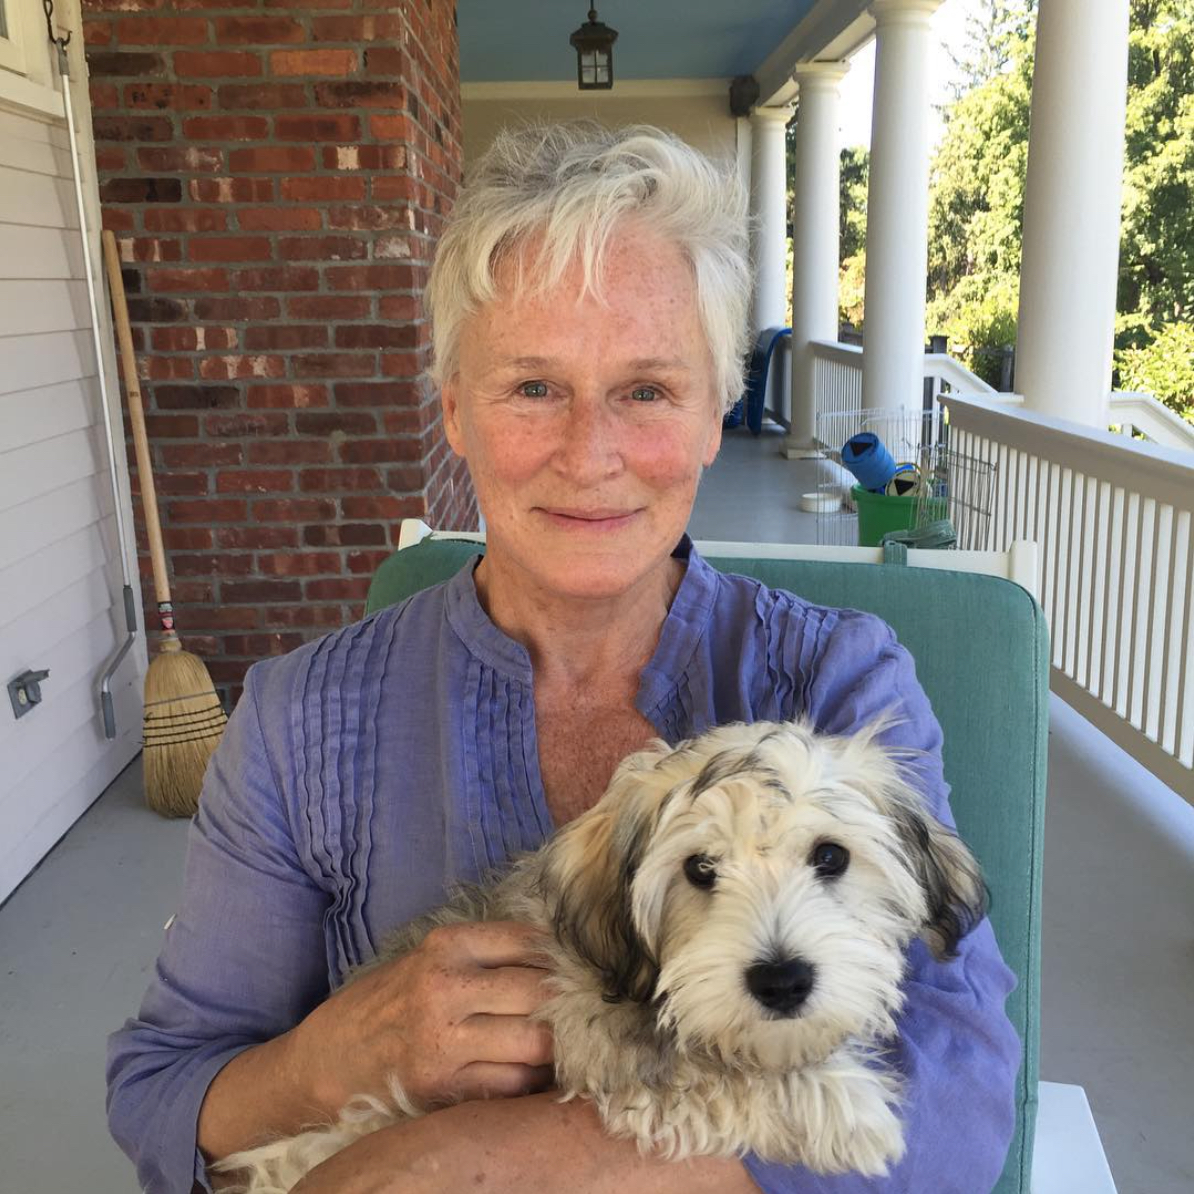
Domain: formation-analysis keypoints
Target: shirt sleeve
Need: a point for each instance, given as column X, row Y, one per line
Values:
column 243, row 960
column 957, row 1051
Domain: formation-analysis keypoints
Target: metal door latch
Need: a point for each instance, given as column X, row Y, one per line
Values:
column 25, row 691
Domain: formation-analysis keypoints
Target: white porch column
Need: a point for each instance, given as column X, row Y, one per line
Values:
column 768, row 207
column 1072, row 202
column 898, row 207
column 814, row 239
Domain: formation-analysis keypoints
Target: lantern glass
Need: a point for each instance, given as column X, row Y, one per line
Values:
column 594, row 54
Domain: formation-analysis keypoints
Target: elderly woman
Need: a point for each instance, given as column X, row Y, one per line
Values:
column 588, row 304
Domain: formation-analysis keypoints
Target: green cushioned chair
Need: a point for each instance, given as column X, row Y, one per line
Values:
column 980, row 645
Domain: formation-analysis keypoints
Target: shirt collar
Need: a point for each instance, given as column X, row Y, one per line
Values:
column 681, row 633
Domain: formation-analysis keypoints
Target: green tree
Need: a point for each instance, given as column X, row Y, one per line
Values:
column 855, row 175
column 1156, row 277
column 977, row 197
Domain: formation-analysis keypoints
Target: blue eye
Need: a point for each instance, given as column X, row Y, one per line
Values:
column 533, row 389
column 644, row 393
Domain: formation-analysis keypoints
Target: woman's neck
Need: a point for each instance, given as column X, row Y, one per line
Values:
column 576, row 641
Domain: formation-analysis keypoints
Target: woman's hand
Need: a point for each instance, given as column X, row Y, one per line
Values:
column 510, row 1146
column 449, row 1020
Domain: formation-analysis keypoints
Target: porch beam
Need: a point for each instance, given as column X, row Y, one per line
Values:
column 1072, row 198
column 897, row 207
column 815, row 238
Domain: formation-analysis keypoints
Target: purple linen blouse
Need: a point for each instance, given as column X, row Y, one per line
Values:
column 364, row 772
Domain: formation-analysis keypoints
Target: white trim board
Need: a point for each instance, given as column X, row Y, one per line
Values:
column 622, row 89
column 1067, row 1156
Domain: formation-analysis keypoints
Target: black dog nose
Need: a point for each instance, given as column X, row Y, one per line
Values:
column 781, row 986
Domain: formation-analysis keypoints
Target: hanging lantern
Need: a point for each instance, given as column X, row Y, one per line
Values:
column 594, row 42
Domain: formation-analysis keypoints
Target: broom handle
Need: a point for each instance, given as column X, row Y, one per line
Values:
column 132, row 388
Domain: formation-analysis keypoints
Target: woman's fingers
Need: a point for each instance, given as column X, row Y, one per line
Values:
column 507, row 1040
column 489, row 944
column 487, row 1080
column 506, row 991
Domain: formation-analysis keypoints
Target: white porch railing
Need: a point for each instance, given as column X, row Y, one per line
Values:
column 1132, row 412
column 838, row 377
column 1114, row 520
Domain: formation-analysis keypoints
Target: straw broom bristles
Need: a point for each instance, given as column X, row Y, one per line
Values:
column 183, row 715
column 183, row 723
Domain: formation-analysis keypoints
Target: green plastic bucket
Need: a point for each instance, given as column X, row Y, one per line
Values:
column 878, row 513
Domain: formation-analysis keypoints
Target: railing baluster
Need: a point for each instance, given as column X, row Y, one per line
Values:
column 1137, row 594
column 1082, row 597
column 1120, row 615
column 1183, row 652
column 1147, row 710
column 1170, row 636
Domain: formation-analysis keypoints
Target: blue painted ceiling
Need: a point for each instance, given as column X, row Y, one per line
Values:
column 509, row 40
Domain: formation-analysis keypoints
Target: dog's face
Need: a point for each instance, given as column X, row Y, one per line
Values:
column 760, row 885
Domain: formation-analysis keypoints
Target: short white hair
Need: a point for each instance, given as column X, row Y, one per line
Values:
column 566, row 187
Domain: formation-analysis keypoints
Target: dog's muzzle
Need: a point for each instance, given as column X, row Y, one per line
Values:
column 781, row 985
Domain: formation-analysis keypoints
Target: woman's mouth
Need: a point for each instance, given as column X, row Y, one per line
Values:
column 593, row 520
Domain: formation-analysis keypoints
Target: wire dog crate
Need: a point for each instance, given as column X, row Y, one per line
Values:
column 961, row 486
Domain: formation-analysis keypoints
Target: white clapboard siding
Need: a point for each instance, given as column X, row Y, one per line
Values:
column 29, row 306
column 34, row 415
column 49, row 464
column 55, row 620
column 34, row 146
column 27, row 528
column 36, row 200
column 39, row 253
column 37, row 577
column 70, row 699
column 60, row 602
column 29, row 362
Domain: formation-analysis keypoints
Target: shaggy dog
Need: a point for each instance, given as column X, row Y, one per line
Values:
column 728, row 928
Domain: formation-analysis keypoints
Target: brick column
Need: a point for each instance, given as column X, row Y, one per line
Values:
column 277, row 180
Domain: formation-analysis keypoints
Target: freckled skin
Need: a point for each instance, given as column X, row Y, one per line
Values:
column 600, row 407
column 587, row 440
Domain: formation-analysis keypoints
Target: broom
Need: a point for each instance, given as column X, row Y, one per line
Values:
column 183, row 715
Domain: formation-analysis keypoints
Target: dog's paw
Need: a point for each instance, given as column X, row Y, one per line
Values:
column 852, row 1126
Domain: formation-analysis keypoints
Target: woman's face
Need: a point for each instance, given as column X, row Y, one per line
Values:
column 586, row 423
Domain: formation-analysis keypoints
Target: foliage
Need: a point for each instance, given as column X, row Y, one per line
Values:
column 1157, row 249
column 977, row 195
column 1163, row 365
column 855, row 176
column 855, row 171
column 978, row 320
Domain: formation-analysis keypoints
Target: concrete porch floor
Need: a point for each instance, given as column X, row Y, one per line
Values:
column 78, row 938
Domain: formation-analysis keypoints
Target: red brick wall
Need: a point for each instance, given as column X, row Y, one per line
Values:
column 277, row 174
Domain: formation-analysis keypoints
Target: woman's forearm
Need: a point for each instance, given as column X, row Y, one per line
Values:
column 261, row 1092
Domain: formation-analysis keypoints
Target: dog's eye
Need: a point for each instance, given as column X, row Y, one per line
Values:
column 829, row 859
column 700, row 871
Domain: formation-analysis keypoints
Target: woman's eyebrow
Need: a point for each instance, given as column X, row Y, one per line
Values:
column 674, row 364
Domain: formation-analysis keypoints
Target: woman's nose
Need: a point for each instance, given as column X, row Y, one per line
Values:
column 588, row 451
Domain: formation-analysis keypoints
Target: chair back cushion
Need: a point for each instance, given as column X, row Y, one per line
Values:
column 981, row 651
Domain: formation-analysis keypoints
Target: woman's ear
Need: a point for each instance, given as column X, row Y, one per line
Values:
column 450, row 398
column 713, row 446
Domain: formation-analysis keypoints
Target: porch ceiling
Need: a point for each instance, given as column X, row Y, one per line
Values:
column 527, row 40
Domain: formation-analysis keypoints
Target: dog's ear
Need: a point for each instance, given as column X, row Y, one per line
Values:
column 950, row 877
column 588, row 873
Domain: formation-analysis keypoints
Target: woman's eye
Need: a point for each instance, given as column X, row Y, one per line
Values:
column 533, row 389
column 644, row 393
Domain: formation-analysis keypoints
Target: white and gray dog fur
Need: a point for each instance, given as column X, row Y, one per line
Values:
column 728, row 928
